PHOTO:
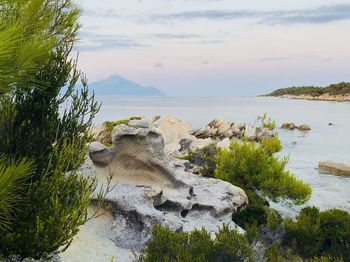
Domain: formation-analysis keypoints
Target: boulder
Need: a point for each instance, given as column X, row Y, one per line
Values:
column 202, row 132
column 225, row 143
column 265, row 133
column 173, row 131
column 100, row 133
column 216, row 123
column 220, row 128
column 99, row 153
column 329, row 167
column 250, row 133
column 139, row 123
column 304, row 127
column 152, row 189
column 290, row 126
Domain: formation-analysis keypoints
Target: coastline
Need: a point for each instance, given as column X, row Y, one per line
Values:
column 324, row 97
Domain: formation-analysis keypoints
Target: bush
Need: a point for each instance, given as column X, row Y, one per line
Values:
column 166, row 245
column 205, row 158
column 254, row 167
column 111, row 124
column 32, row 125
column 316, row 233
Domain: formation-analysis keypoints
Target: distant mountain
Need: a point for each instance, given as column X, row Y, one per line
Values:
column 117, row 85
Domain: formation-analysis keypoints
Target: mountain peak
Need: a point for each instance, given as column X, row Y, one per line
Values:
column 118, row 85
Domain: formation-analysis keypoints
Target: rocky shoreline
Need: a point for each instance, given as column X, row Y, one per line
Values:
column 152, row 184
column 324, row 97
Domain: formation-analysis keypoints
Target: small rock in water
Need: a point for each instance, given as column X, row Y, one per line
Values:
column 329, row 167
column 304, row 127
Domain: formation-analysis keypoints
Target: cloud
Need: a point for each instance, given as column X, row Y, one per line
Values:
column 158, row 65
column 319, row 15
column 205, row 62
column 176, row 36
column 267, row 59
column 92, row 42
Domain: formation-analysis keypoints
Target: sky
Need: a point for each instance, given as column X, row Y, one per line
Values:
column 216, row 47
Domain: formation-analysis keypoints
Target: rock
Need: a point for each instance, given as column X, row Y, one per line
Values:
column 173, row 131
column 213, row 132
column 290, row 126
column 329, row 167
column 238, row 129
column 239, row 125
column 202, row 132
column 225, row 143
column 304, row 127
column 250, row 133
column 216, row 123
column 139, row 123
column 99, row 153
column 100, row 133
column 219, row 128
column 150, row 189
column 202, row 143
column 265, row 133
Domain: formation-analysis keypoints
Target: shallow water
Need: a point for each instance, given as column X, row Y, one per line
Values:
column 305, row 149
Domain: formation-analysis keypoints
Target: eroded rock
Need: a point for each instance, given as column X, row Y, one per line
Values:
column 152, row 189
column 330, row 167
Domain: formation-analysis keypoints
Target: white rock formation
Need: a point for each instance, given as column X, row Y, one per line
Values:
column 150, row 189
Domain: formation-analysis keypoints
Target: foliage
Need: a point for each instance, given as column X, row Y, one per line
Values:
column 12, row 177
column 255, row 167
column 24, row 40
column 342, row 88
column 205, row 158
column 166, row 245
column 111, row 124
column 46, row 120
column 316, row 233
column 267, row 122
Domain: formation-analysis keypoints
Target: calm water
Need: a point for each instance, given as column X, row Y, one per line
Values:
column 305, row 150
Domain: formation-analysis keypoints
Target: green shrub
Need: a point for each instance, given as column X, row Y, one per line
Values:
column 205, row 158
column 254, row 166
column 32, row 125
column 316, row 233
column 267, row 122
column 166, row 245
column 111, row 124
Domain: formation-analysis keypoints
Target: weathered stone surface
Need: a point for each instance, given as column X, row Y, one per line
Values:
column 100, row 133
column 250, row 133
column 304, row 127
column 216, row 123
column 139, row 123
column 225, row 143
column 173, row 131
column 329, row 167
column 265, row 133
column 151, row 189
column 99, row 153
column 290, row 126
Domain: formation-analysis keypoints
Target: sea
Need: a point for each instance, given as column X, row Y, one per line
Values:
column 329, row 138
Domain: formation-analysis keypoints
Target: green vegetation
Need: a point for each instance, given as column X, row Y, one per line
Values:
column 111, row 124
column 166, row 245
column 43, row 199
column 254, row 167
column 12, row 177
column 342, row 88
column 205, row 158
column 316, row 233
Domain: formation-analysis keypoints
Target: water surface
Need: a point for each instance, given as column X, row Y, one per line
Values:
column 305, row 149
